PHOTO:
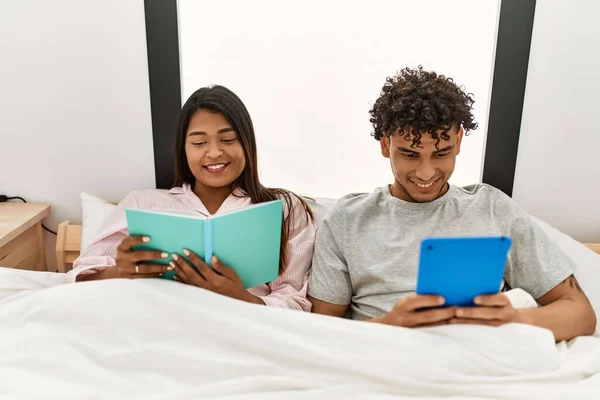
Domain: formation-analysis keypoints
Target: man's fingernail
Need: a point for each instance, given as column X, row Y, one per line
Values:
column 186, row 252
column 459, row 313
column 164, row 255
column 441, row 300
column 175, row 257
column 145, row 239
column 477, row 300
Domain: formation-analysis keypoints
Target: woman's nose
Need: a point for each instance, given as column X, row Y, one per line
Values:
column 213, row 151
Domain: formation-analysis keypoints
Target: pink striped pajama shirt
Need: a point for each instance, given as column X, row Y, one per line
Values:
column 288, row 291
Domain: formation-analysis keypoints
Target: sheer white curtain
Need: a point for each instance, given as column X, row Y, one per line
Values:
column 309, row 71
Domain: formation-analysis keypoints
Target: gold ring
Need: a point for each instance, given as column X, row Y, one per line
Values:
column 137, row 269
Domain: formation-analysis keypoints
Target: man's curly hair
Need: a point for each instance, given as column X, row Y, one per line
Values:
column 415, row 102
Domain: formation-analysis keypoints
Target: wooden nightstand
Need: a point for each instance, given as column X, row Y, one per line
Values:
column 21, row 235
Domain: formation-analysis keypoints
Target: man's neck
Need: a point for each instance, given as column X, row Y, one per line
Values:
column 398, row 191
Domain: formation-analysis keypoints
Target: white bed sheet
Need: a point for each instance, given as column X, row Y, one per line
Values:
column 158, row 339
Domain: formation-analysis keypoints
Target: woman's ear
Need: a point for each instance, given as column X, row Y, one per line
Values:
column 385, row 146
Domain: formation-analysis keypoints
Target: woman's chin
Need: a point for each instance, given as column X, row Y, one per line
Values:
column 216, row 183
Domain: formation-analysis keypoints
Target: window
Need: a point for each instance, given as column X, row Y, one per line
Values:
column 309, row 71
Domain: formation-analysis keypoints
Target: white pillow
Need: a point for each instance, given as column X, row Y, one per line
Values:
column 94, row 211
column 320, row 207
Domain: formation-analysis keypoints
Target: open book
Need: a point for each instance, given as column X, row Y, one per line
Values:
column 247, row 240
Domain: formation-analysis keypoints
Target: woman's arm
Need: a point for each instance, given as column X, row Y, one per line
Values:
column 289, row 290
column 97, row 258
column 101, row 253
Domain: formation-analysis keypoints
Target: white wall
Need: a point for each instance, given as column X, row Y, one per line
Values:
column 558, row 166
column 309, row 71
column 75, row 103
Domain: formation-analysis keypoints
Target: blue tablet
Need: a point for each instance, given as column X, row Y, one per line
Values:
column 461, row 268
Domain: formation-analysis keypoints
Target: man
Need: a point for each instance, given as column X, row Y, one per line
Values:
column 366, row 254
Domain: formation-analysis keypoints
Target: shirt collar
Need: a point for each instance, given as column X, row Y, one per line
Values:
column 236, row 199
column 187, row 188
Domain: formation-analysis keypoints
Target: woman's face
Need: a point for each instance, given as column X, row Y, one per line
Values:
column 214, row 153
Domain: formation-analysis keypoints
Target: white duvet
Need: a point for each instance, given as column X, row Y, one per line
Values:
column 156, row 339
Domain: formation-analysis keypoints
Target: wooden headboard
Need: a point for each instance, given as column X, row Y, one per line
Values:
column 594, row 246
column 68, row 243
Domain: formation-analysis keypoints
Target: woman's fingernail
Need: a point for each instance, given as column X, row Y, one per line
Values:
column 171, row 266
column 175, row 257
column 145, row 239
column 164, row 255
column 186, row 252
column 214, row 259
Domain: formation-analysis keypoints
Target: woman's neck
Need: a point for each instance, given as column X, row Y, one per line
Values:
column 212, row 198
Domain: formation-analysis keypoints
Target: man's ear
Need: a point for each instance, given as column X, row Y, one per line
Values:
column 385, row 146
column 459, row 138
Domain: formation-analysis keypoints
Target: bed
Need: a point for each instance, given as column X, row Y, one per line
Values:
column 152, row 338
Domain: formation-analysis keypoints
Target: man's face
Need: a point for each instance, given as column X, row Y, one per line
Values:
column 421, row 172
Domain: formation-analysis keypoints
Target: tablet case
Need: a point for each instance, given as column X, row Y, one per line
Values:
column 461, row 268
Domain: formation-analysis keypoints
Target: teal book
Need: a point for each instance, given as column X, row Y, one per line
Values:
column 247, row 240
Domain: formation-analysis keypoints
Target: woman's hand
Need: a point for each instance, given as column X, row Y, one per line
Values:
column 128, row 261
column 220, row 279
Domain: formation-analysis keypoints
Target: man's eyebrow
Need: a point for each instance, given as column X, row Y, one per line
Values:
column 202, row 133
column 447, row 148
column 404, row 149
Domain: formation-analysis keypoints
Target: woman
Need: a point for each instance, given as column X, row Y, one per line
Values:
column 216, row 172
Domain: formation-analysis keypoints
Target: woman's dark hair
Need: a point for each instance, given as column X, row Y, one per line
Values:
column 415, row 102
column 222, row 100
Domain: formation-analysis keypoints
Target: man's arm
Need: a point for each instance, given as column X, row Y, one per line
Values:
column 329, row 284
column 325, row 308
column 566, row 311
column 537, row 265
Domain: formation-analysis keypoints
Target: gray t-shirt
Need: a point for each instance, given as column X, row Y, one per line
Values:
column 367, row 247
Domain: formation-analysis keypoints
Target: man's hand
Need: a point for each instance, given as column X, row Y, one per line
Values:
column 219, row 279
column 406, row 312
column 493, row 310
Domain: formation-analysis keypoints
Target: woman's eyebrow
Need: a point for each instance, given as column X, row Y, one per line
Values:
column 201, row 133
